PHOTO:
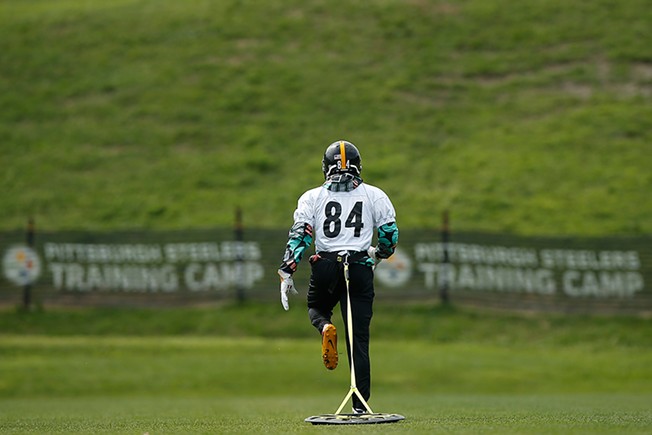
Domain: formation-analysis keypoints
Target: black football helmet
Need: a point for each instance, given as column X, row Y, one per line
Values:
column 341, row 156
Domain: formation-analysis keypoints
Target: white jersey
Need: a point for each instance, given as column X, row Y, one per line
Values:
column 344, row 220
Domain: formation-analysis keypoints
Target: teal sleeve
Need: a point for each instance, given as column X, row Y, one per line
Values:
column 299, row 239
column 387, row 240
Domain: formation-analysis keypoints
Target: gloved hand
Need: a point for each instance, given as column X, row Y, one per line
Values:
column 371, row 252
column 287, row 286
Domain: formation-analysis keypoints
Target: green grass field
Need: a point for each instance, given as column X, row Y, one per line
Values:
column 534, row 374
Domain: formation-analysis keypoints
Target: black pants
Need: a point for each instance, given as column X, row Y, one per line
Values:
column 327, row 288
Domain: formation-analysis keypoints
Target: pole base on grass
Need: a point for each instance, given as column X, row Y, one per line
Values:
column 375, row 418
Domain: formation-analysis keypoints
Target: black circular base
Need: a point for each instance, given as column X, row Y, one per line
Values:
column 375, row 418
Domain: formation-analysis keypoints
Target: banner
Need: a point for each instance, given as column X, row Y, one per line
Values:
column 158, row 266
column 176, row 263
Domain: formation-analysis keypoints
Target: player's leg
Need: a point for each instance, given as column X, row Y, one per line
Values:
column 323, row 294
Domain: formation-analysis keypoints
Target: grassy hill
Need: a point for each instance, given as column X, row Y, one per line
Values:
column 529, row 117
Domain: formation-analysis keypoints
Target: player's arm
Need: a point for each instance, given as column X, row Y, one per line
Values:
column 387, row 231
column 387, row 240
column 299, row 239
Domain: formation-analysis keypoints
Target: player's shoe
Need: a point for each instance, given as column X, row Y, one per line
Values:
column 329, row 346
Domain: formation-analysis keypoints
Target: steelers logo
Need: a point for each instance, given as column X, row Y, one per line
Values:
column 394, row 271
column 21, row 265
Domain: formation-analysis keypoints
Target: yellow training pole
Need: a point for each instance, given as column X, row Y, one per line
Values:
column 349, row 321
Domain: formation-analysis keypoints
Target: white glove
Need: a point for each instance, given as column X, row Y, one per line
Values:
column 287, row 286
column 371, row 252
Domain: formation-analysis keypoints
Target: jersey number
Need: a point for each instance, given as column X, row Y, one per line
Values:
column 333, row 224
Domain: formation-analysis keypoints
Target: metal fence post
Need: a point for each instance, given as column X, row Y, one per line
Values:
column 444, row 274
column 27, row 288
column 239, row 258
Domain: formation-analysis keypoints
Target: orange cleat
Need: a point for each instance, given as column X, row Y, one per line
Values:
column 329, row 346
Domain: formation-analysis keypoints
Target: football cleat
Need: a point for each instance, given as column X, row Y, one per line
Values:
column 329, row 346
